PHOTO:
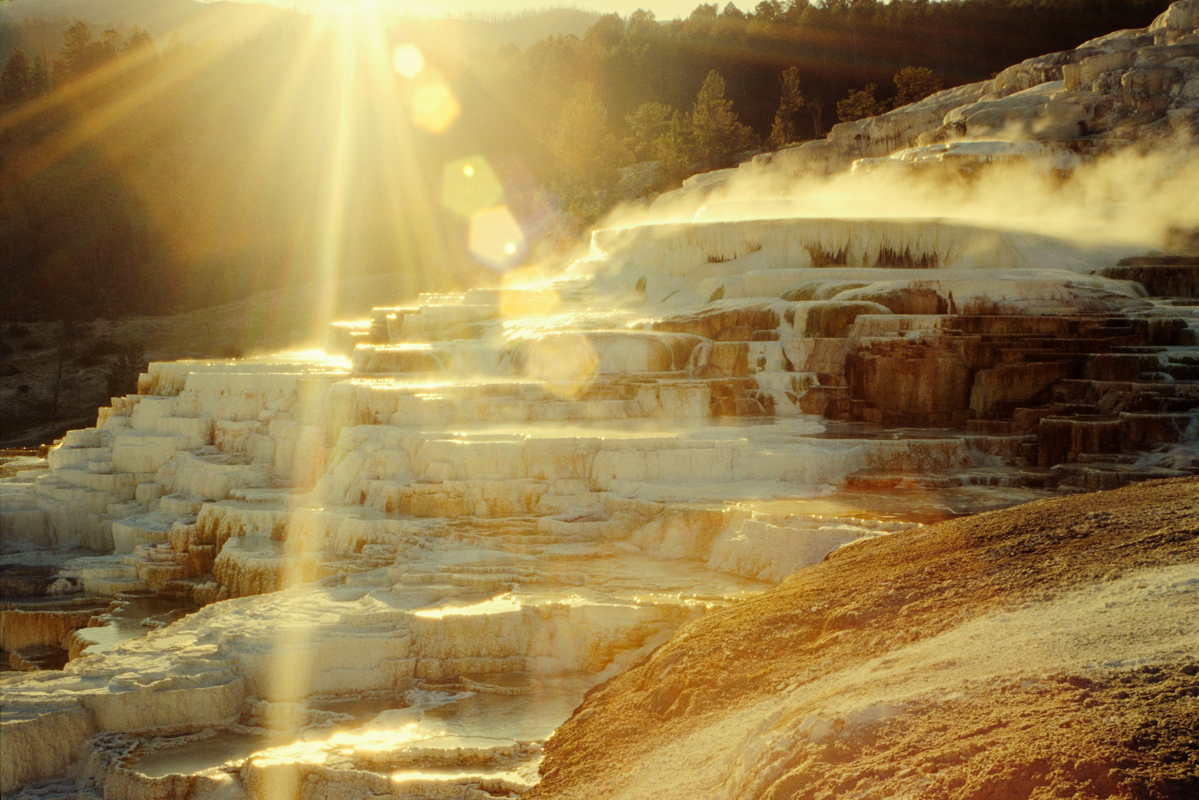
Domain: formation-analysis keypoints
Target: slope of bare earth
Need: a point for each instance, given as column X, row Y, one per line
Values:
column 1050, row 650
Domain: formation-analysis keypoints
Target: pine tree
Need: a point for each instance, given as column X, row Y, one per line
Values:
column 716, row 133
column 646, row 126
column 15, row 80
column 137, row 40
column 39, row 77
column 81, row 53
column 859, row 104
column 782, row 132
column 914, row 84
column 77, row 52
column 675, row 148
column 587, row 152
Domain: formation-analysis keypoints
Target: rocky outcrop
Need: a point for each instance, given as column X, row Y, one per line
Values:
column 1171, row 276
column 1126, row 87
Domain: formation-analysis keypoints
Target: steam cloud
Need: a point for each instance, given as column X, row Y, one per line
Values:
column 1136, row 196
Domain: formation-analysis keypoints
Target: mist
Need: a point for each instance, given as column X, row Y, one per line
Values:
column 1137, row 196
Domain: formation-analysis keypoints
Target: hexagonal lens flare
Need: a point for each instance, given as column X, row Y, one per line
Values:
column 469, row 186
column 496, row 238
column 434, row 106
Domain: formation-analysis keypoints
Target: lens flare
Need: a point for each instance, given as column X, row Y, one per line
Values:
column 496, row 237
column 434, row 106
column 408, row 60
column 469, row 186
column 563, row 363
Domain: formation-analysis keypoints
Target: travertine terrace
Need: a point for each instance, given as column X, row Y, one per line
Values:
column 414, row 559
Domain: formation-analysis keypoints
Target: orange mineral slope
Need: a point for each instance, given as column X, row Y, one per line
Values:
column 1049, row 650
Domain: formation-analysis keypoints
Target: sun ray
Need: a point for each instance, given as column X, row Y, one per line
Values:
column 331, row 245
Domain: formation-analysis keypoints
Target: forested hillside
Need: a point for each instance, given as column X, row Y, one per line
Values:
column 154, row 173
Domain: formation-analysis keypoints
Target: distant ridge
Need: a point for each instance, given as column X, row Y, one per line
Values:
column 35, row 25
column 521, row 31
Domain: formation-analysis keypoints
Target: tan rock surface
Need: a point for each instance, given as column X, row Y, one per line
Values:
column 1050, row 650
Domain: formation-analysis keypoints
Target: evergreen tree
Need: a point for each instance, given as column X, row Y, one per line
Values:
column 716, row 133
column 641, row 22
column 39, row 77
column 647, row 125
column 138, row 40
column 588, row 154
column 81, row 53
column 914, row 84
column 768, row 10
column 605, row 33
column 77, row 52
column 859, row 104
column 15, row 81
column 782, row 132
column 675, row 148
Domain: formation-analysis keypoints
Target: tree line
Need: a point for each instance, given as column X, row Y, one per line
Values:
column 141, row 178
column 783, row 71
column 25, row 78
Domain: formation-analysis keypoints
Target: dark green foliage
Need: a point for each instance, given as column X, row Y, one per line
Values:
column 15, row 80
column 782, row 131
column 588, row 154
column 859, row 104
column 647, row 125
column 81, row 53
column 915, row 84
column 715, row 132
column 23, row 78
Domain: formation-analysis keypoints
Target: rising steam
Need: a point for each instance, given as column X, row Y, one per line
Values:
column 1136, row 196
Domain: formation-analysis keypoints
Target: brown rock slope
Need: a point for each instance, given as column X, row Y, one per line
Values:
column 1050, row 650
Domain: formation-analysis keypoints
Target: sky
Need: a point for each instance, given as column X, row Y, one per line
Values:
column 663, row 9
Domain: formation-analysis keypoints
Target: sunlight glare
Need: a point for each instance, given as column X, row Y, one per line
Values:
column 470, row 185
column 434, row 106
column 408, row 60
column 496, row 237
column 564, row 363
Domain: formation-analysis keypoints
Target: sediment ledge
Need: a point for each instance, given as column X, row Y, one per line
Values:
column 1049, row 650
